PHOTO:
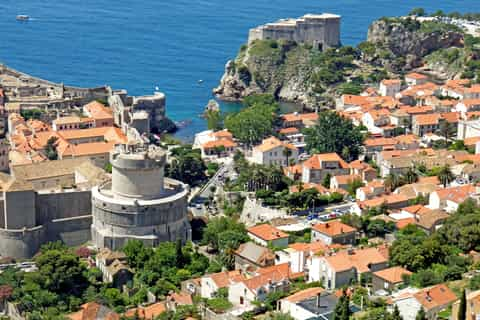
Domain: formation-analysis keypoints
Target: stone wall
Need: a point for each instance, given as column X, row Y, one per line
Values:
column 60, row 205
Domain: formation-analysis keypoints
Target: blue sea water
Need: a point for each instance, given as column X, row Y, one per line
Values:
column 139, row 44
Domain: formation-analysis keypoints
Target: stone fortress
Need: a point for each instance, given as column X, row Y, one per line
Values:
column 72, row 200
column 322, row 31
column 139, row 203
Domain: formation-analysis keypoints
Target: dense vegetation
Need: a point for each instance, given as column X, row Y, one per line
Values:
column 187, row 165
column 334, row 133
column 437, row 258
column 255, row 121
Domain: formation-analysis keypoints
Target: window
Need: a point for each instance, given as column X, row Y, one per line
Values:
column 241, row 300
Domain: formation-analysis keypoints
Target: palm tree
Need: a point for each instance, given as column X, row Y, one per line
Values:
column 445, row 175
column 411, row 176
column 392, row 181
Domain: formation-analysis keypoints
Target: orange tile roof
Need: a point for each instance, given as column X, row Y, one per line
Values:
column 290, row 117
column 304, row 294
column 92, row 311
column 427, row 119
column 388, row 199
column 360, row 259
column 71, row 120
column 416, row 76
column 402, row 223
column 451, row 117
column 223, row 134
column 272, row 143
column 333, row 228
column 314, row 162
column 470, row 102
column 149, row 312
column 416, row 209
column 417, row 110
column 87, row 149
column 225, row 278
column 109, row 133
column 321, row 189
column 267, row 232
column 407, row 139
column 432, row 180
column 392, row 275
column 271, row 274
column 345, row 179
column 227, row 143
column 290, row 130
column 390, row 82
column 456, row 194
column 377, row 142
column 314, row 247
column 436, row 296
column 98, row 111
column 181, row 298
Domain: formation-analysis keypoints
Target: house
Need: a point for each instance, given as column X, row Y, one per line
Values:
column 433, row 300
column 211, row 283
column 297, row 254
column 254, row 255
column 342, row 182
column 299, row 120
column 431, row 220
column 391, row 201
column 415, row 79
column 449, row 199
column 363, row 169
column 218, row 148
column 272, row 151
column 468, row 105
column 371, row 190
column 389, row 279
column 473, row 306
column 175, row 299
column 311, row 303
column 343, row 267
column 318, row 166
column 113, row 265
column 93, row 311
column 390, row 87
column 425, row 123
column 265, row 235
column 72, row 122
column 150, row 312
column 277, row 278
column 333, row 232
column 102, row 116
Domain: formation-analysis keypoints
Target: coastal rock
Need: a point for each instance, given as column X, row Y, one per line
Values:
column 406, row 42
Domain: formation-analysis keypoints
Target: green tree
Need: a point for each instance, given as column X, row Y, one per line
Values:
column 287, row 152
column 254, row 122
column 445, row 175
column 447, row 130
column 187, row 166
column 326, row 180
column 396, row 314
column 462, row 308
column 342, row 309
column 411, row 176
column 392, row 182
column 137, row 254
column 214, row 120
column 353, row 185
column 419, row 12
column 51, row 148
column 421, row 315
column 334, row 133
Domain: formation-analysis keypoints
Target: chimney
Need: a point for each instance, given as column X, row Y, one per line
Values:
column 318, row 299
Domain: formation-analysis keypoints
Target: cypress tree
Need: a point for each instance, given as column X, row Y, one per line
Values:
column 396, row 314
column 462, row 309
column 421, row 315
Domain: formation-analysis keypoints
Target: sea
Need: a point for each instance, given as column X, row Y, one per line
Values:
column 179, row 46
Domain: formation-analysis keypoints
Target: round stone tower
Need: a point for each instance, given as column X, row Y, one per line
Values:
column 139, row 203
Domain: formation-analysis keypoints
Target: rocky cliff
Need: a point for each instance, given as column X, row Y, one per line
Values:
column 401, row 44
column 298, row 73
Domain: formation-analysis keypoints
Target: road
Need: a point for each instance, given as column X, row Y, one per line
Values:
column 196, row 204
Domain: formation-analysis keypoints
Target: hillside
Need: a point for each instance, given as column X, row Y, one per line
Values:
column 298, row 73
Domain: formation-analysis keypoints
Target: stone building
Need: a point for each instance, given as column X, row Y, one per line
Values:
column 139, row 203
column 322, row 31
column 44, row 202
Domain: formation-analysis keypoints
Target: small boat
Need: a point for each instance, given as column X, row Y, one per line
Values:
column 23, row 17
column 200, row 81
